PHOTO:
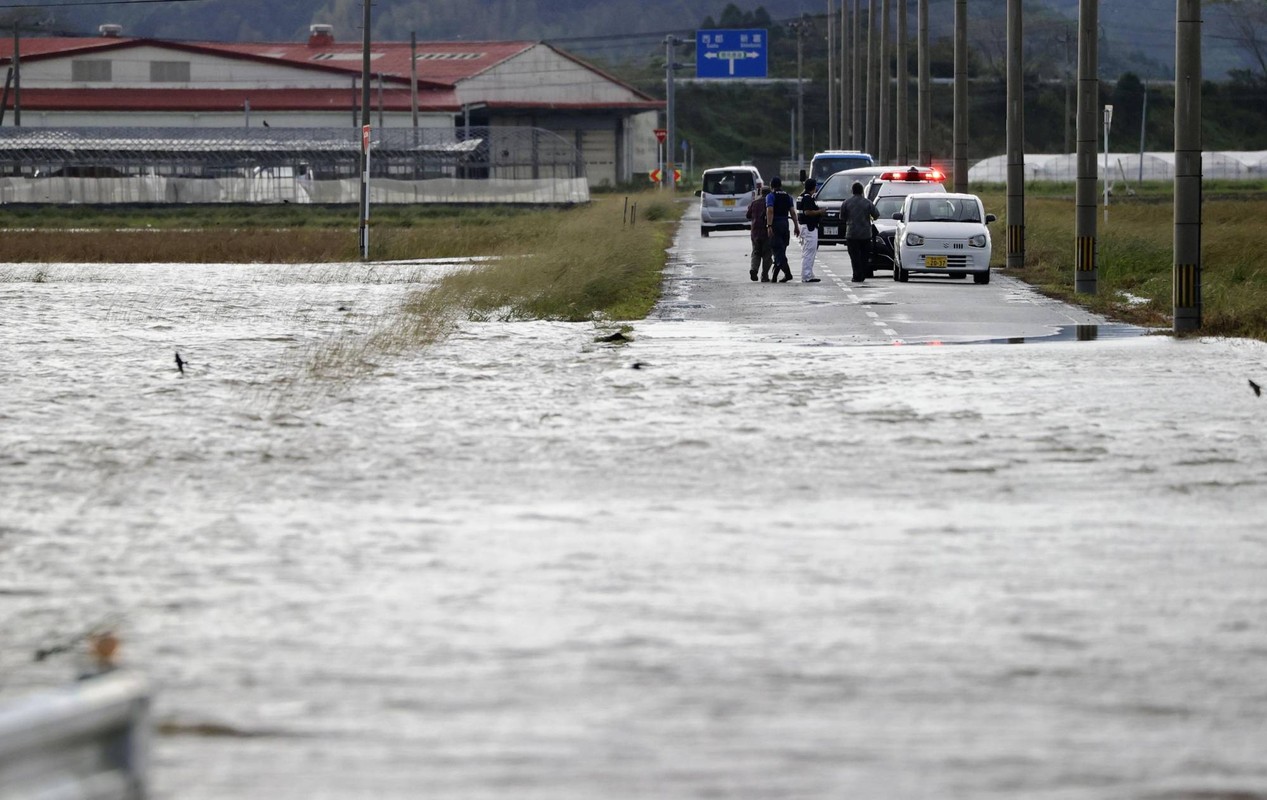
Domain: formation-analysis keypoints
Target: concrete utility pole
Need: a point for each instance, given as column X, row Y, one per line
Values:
column 365, row 131
column 1187, row 259
column 858, row 123
column 961, row 96
column 1015, row 139
column 1086, row 275
column 800, row 92
column 413, row 78
column 17, row 77
column 831, row 78
column 846, row 98
column 886, row 82
column 923, row 102
column 903, row 113
column 670, row 113
column 873, row 80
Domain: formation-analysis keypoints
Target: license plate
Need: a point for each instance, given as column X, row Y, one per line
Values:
column 934, row 261
column 728, row 202
column 831, row 231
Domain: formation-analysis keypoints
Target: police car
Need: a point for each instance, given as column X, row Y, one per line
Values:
column 887, row 187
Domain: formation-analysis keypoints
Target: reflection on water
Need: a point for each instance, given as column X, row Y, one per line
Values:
column 513, row 564
column 1083, row 333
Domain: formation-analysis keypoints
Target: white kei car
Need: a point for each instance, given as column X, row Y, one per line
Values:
column 943, row 234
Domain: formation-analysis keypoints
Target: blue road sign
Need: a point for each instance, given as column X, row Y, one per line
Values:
column 730, row 54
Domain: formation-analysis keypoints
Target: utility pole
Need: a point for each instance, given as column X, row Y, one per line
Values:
column 1187, row 258
column 831, row 79
column 1086, row 275
column 960, row 153
column 17, row 77
column 886, row 82
column 670, row 113
column 413, row 77
column 903, row 113
column 365, row 131
column 873, row 80
column 845, row 72
column 1015, row 139
column 799, row 150
column 923, row 102
column 857, row 90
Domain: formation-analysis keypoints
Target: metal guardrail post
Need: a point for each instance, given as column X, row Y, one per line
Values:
column 90, row 739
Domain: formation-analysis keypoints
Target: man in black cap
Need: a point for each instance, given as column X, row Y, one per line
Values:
column 810, row 217
column 780, row 210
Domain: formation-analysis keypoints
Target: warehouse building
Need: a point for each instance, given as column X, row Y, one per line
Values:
column 113, row 81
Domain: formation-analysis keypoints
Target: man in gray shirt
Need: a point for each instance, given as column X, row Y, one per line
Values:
column 858, row 212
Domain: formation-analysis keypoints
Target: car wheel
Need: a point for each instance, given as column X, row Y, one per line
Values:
column 981, row 277
column 703, row 231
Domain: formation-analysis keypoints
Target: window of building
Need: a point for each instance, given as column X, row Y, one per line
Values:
column 90, row 70
column 169, row 71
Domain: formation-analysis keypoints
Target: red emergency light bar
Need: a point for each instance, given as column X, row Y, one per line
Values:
column 915, row 174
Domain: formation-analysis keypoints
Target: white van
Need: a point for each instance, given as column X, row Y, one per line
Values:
column 724, row 198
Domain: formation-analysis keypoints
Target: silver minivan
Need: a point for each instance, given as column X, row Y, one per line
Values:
column 724, row 197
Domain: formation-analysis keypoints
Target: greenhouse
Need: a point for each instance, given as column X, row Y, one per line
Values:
column 1128, row 167
column 296, row 165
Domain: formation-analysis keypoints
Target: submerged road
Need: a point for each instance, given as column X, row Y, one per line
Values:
column 709, row 282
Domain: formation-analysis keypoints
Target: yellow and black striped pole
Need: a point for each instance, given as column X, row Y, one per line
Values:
column 1187, row 263
column 1086, row 275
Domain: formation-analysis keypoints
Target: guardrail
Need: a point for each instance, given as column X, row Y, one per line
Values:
column 86, row 740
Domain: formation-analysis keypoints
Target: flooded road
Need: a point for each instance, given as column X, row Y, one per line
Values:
column 743, row 558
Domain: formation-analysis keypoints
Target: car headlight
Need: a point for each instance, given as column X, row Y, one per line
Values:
column 914, row 240
column 977, row 241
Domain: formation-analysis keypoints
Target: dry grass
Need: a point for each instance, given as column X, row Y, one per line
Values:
column 1136, row 258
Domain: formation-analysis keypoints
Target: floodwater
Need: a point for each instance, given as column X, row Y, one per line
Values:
column 702, row 564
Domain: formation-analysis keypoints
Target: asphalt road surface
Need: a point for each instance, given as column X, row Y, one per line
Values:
column 709, row 282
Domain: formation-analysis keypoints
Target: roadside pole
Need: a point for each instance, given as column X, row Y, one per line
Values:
column 886, row 84
column 961, row 96
column 846, row 99
column 666, row 176
column 872, row 73
column 1086, row 276
column 923, row 101
column 857, row 90
column 903, row 113
column 832, row 142
column 1015, row 139
column 365, row 133
column 1187, row 258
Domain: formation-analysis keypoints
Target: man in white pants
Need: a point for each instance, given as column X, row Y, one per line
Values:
column 810, row 216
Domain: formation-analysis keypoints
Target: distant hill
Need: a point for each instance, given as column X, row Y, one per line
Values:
column 1139, row 35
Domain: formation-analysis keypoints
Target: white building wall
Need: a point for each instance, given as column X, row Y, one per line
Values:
column 130, row 69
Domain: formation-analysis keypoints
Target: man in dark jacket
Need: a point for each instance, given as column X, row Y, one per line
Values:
column 780, row 211
column 762, row 253
column 857, row 212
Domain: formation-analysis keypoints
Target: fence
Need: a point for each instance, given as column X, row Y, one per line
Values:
column 87, row 740
column 295, row 165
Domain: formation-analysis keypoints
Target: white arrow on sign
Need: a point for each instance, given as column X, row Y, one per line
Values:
column 732, row 56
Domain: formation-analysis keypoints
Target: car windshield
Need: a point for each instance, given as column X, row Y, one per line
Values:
column 727, row 182
column 837, row 187
column 945, row 209
column 888, row 206
column 824, row 166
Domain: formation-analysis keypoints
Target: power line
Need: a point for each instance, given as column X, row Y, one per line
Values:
column 92, row 3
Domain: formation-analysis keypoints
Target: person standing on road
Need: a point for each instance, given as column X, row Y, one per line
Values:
column 762, row 253
column 780, row 211
column 858, row 212
column 810, row 216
